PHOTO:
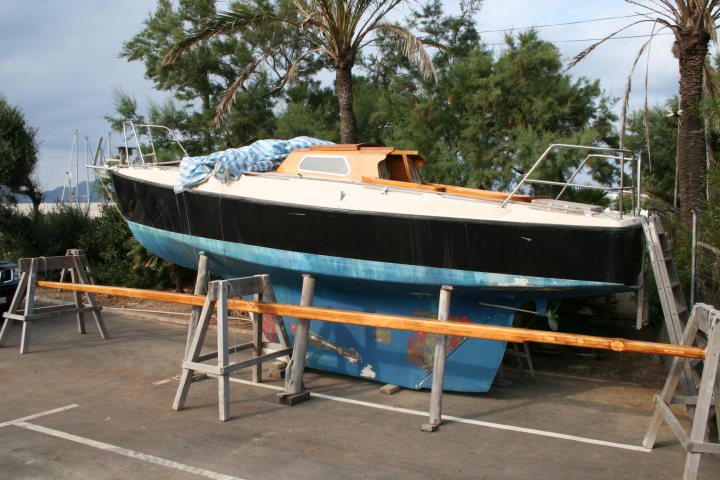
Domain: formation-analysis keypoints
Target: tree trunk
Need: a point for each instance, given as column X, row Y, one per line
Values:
column 343, row 90
column 36, row 197
column 692, row 50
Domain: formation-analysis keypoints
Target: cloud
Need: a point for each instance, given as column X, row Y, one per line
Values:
column 58, row 63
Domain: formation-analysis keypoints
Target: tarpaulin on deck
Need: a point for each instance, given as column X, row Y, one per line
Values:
column 261, row 156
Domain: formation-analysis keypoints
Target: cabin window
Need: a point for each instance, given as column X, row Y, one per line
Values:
column 383, row 171
column 396, row 167
column 402, row 168
column 326, row 165
column 414, row 173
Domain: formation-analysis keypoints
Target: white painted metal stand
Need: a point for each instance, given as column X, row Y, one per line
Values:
column 707, row 320
column 75, row 263
column 219, row 292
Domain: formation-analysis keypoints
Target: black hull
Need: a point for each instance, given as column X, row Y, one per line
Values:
column 548, row 251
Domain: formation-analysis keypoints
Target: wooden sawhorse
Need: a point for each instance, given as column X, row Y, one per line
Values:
column 707, row 320
column 75, row 263
column 219, row 292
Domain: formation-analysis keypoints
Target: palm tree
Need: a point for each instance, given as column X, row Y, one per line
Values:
column 336, row 30
column 694, row 24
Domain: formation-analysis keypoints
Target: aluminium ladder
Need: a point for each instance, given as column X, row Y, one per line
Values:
column 672, row 300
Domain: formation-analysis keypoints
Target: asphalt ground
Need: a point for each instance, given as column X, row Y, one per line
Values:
column 79, row 407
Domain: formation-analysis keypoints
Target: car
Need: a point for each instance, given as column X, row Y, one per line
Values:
column 9, row 279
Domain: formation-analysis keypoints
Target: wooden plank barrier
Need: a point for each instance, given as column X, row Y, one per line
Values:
column 397, row 322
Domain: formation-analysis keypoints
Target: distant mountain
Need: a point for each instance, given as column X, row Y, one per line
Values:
column 56, row 194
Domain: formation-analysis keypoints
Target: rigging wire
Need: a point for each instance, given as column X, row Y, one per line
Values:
column 589, row 39
column 576, row 22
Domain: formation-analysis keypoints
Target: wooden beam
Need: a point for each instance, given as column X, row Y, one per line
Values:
column 397, row 322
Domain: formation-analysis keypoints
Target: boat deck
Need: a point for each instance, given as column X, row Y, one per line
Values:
column 80, row 407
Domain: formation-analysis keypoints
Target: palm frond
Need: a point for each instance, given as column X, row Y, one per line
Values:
column 379, row 16
column 228, row 97
column 711, row 82
column 239, row 17
column 412, row 47
column 626, row 96
column 709, row 21
column 582, row 55
column 667, row 12
column 646, row 110
column 292, row 71
column 711, row 88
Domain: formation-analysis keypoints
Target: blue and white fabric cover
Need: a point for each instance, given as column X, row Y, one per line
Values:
column 261, row 156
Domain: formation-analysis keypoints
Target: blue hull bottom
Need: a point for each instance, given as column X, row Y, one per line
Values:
column 391, row 356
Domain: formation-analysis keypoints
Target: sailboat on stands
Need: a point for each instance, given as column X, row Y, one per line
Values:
column 378, row 239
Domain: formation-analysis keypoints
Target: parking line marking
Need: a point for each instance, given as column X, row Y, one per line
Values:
column 126, row 452
column 469, row 421
column 37, row 415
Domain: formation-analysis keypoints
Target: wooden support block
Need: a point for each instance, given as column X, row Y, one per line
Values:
column 292, row 399
column 428, row 427
column 276, row 370
column 389, row 389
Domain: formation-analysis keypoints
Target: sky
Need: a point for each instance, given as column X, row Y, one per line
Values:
column 59, row 60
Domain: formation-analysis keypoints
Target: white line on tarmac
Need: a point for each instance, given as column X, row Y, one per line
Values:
column 37, row 415
column 128, row 453
column 469, row 421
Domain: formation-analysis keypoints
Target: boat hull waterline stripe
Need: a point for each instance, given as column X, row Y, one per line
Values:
column 184, row 249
